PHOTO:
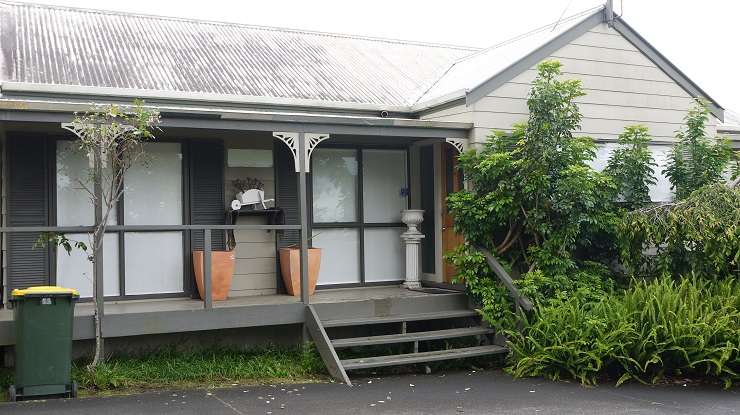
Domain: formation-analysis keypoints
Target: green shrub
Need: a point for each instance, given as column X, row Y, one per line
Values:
column 651, row 330
column 590, row 281
column 631, row 166
column 534, row 200
column 700, row 235
column 697, row 160
column 493, row 300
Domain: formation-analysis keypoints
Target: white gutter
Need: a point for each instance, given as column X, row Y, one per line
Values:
column 205, row 98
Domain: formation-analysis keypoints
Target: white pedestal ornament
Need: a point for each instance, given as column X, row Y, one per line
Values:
column 412, row 241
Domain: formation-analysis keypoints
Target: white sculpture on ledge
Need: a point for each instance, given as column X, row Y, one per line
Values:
column 251, row 197
column 412, row 239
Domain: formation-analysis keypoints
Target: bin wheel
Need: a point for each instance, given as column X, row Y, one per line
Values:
column 12, row 397
column 73, row 393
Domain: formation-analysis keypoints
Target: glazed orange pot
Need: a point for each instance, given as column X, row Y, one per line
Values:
column 290, row 269
column 222, row 271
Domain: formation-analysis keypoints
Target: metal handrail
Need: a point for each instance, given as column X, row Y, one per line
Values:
column 207, row 300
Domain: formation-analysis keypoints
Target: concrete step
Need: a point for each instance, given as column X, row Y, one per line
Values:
column 422, row 357
column 397, row 318
column 411, row 337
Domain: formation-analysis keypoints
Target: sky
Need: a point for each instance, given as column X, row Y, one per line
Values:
column 699, row 37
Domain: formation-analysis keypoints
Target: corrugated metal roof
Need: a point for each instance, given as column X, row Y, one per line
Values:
column 53, row 45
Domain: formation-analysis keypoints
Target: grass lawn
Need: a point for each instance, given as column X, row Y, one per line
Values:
column 203, row 368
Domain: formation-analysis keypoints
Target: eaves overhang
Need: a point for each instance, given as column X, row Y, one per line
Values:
column 38, row 110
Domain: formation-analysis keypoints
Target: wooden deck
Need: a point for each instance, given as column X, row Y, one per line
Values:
column 173, row 315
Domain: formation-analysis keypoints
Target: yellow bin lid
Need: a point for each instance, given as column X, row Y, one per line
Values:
column 45, row 290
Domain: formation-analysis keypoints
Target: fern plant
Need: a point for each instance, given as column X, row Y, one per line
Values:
column 654, row 329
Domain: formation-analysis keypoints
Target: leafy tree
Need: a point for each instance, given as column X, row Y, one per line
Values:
column 631, row 166
column 534, row 199
column 113, row 137
column 696, row 160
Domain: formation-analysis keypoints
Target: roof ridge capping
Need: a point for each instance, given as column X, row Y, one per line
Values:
column 236, row 24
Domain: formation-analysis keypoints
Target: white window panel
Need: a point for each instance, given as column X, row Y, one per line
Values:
column 340, row 255
column 249, row 157
column 384, row 185
column 153, row 188
column 661, row 190
column 384, row 254
column 334, row 175
column 76, row 271
column 74, row 205
column 154, row 262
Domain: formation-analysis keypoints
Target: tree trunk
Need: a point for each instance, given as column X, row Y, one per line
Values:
column 98, row 235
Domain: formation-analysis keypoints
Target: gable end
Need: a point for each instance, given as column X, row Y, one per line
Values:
column 533, row 58
column 666, row 66
column 621, row 27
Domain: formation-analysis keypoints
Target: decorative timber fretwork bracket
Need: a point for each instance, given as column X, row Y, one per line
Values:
column 460, row 144
column 291, row 140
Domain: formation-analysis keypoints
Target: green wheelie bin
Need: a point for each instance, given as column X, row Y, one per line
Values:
column 43, row 342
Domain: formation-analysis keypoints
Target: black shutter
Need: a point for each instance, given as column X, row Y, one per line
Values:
column 286, row 194
column 207, row 191
column 28, row 205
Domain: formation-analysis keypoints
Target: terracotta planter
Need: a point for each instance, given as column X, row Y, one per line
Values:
column 222, row 271
column 290, row 269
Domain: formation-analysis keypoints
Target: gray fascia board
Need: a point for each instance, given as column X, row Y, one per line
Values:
column 666, row 66
column 46, row 105
column 532, row 59
column 399, row 129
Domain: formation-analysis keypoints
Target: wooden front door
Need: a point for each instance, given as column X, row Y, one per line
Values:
column 452, row 181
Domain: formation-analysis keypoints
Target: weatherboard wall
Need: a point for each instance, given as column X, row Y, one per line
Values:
column 255, row 268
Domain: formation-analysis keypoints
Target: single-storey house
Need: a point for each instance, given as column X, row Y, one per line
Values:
column 343, row 131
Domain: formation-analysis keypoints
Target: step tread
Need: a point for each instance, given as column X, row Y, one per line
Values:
column 409, row 337
column 410, row 358
column 397, row 318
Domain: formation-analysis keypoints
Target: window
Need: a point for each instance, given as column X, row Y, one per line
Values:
column 153, row 195
column 358, row 195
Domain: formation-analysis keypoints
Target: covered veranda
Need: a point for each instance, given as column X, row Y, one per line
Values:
column 301, row 133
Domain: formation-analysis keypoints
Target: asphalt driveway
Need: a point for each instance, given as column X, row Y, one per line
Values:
column 452, row 393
